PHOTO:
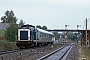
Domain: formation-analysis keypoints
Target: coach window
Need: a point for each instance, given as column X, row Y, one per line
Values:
column 40, row 34
column 50, row 36
column 47, row 36
column 43, row 35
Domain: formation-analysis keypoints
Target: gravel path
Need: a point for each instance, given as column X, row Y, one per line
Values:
column 73, row 54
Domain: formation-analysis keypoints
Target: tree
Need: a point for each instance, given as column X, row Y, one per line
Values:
column 56, row 35
column 9, row 17
column 44, row 27
column 11, row 33
column 70, row 35
column 21, row 23
column 38, row 26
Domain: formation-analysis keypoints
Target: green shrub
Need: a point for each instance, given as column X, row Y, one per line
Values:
column 11, row 33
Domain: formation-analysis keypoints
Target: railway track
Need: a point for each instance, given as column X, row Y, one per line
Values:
column 10, row 51
column 16, row 50
column 16, row 54
column 24, row 53
column 59, row 54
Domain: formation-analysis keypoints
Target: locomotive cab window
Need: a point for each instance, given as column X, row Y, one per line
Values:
column 23, row 35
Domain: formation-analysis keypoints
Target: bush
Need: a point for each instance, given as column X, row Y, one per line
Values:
column 5, row 45
column 11, row 32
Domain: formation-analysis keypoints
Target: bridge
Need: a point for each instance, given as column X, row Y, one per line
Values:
column 85, row 40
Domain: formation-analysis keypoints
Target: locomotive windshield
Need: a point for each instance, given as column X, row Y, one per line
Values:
column 23, row 35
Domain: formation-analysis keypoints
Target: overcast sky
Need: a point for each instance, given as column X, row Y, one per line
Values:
column 54, row 14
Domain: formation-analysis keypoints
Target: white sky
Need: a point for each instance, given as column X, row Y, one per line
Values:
column 52, row 13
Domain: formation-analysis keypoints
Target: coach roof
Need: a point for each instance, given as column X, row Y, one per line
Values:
column 44, row 31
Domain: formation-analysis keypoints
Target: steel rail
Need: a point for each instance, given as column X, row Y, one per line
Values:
column 48, row 55
column 65, row 52
column 10, row 51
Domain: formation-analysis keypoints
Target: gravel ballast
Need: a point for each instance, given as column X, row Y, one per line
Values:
column 73, row 54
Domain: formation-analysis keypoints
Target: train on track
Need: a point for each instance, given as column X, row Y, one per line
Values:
column 29, row 35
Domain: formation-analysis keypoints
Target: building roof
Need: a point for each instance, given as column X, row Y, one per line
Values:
column 3, row 26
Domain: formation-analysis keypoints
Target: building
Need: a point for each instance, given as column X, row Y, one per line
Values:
column 3, row 26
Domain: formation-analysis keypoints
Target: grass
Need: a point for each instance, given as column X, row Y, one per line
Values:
column 2, row 32
column 84, row 53
column 4, row 45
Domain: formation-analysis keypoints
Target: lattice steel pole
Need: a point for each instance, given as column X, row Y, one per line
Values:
column 86, row 32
